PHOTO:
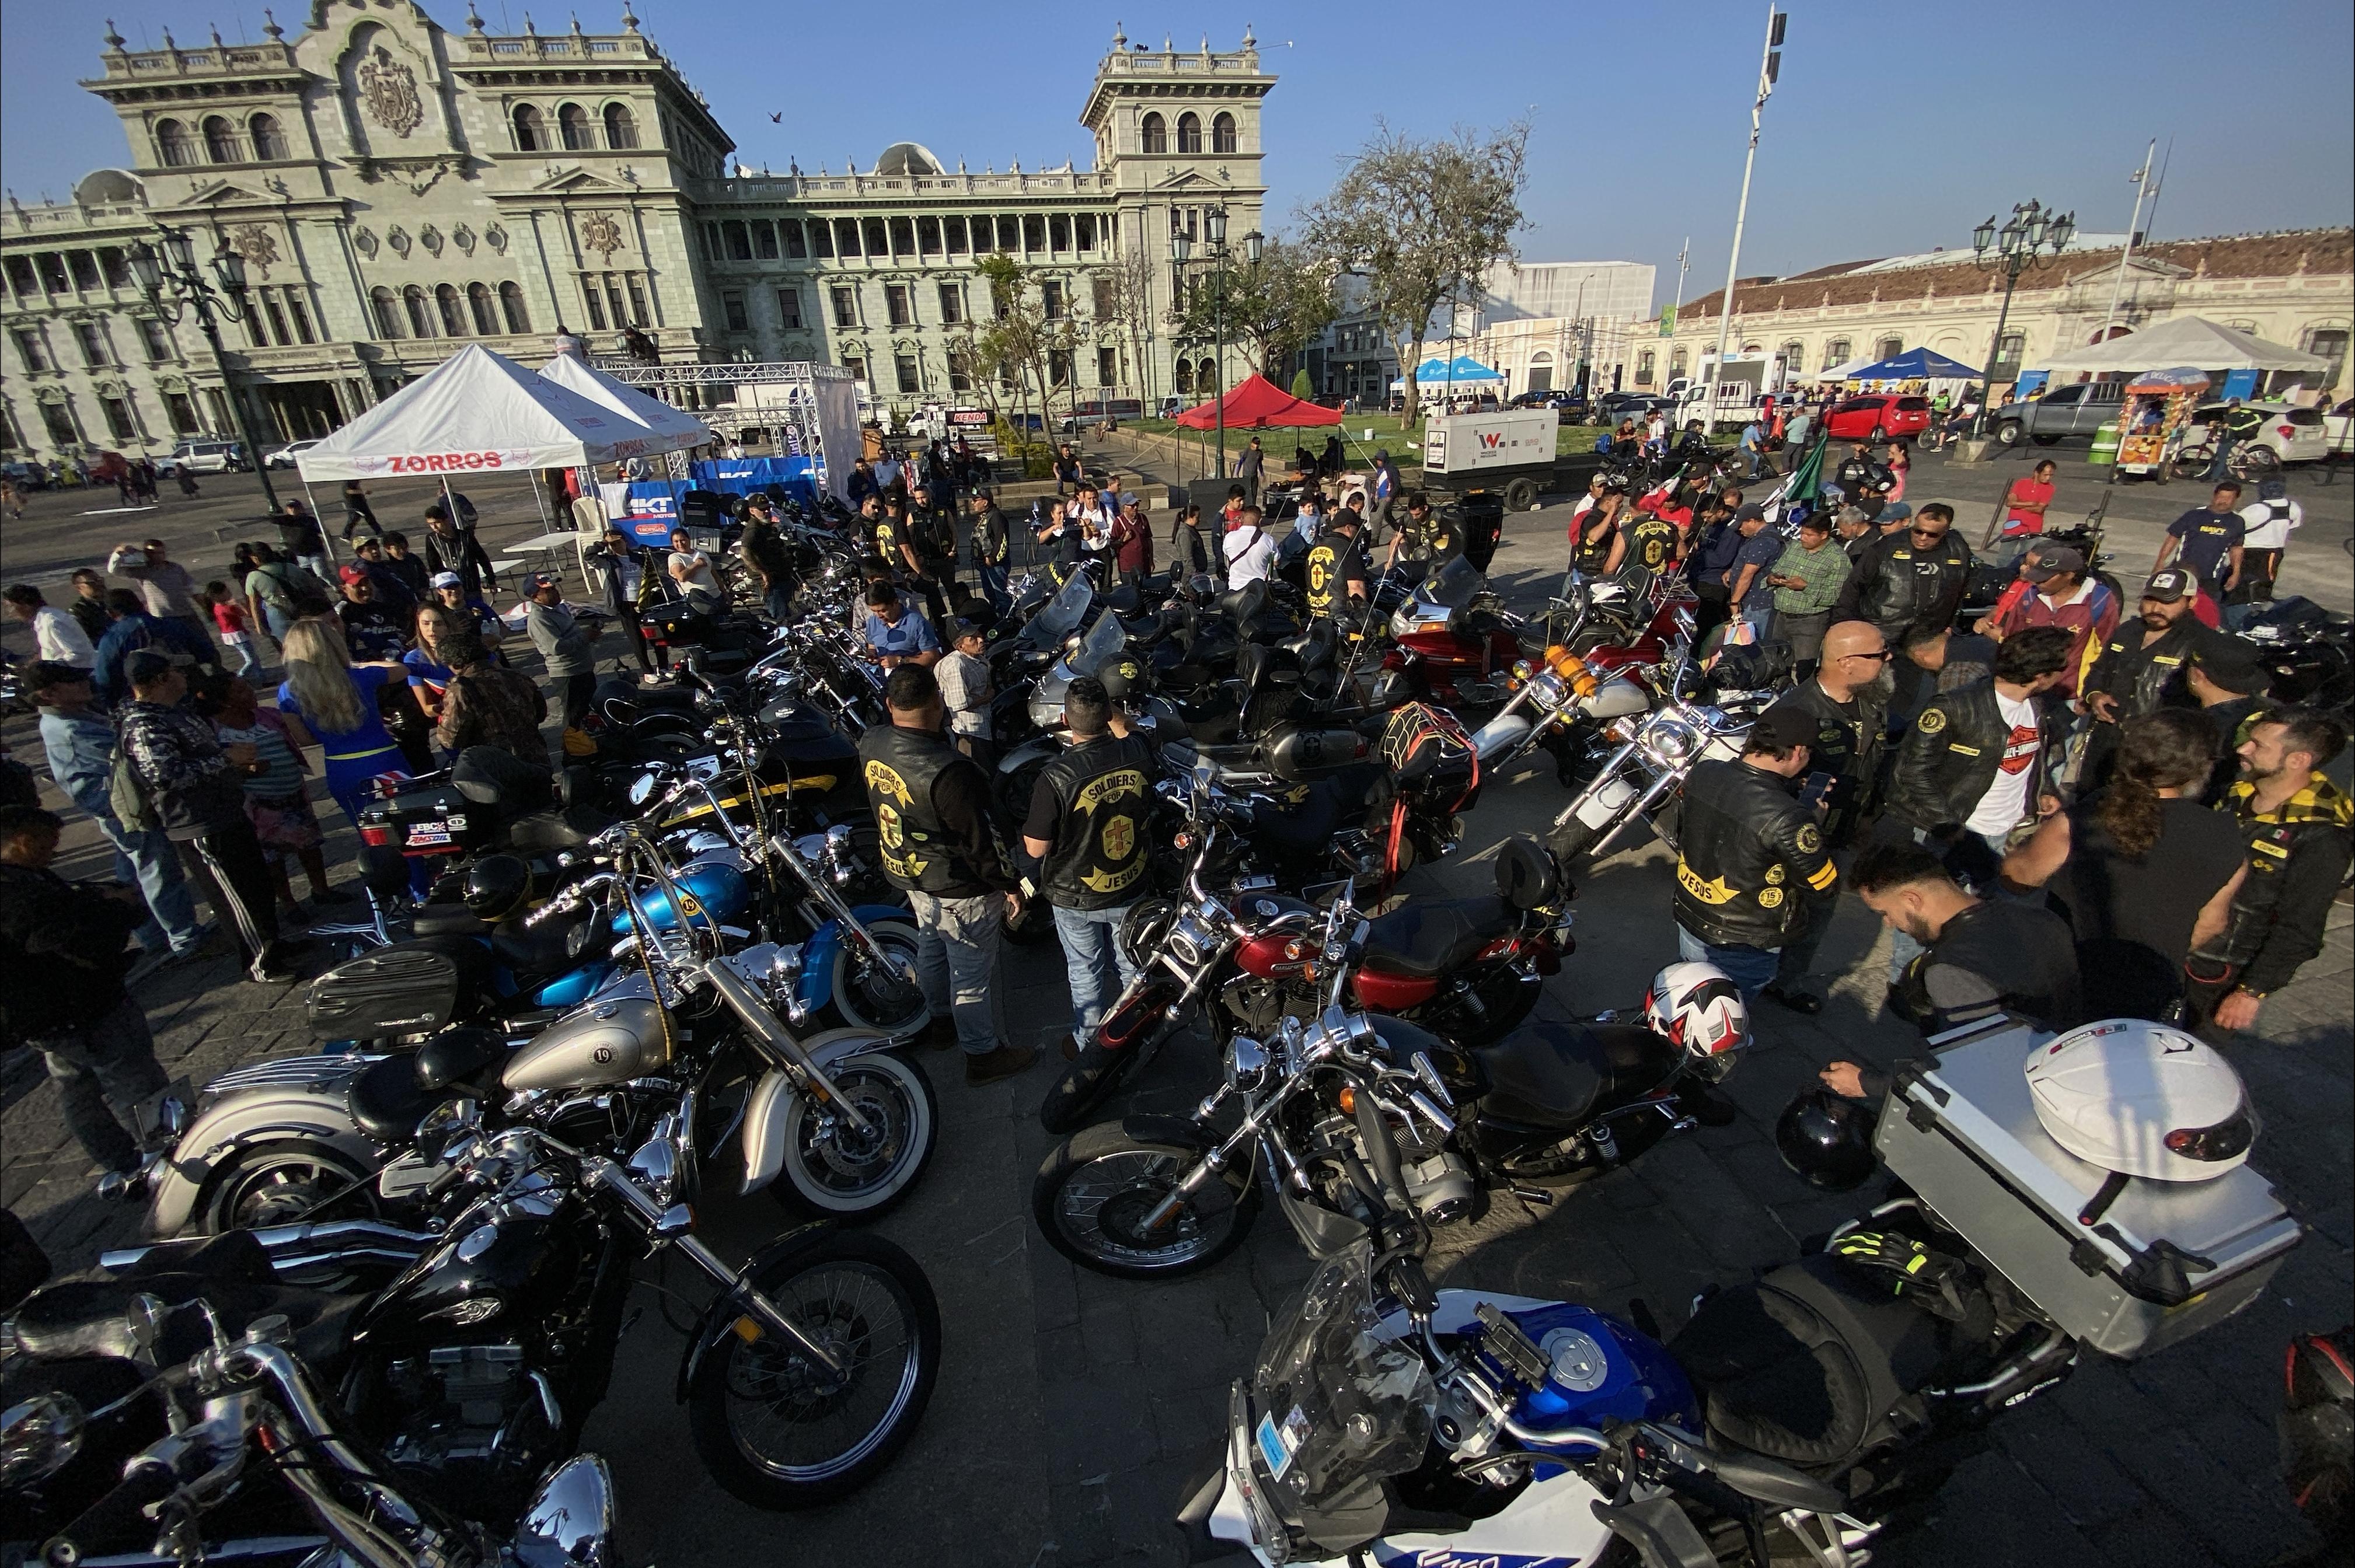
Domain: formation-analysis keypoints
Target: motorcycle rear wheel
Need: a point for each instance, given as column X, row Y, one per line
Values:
column 275, row 1183
column 778, row 1431
column 852, row 1177
column 1095, row 1190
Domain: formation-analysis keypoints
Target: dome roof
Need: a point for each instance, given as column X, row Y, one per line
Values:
column 108, row 188
column 907, row 158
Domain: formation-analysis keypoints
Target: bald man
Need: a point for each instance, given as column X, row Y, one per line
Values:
column 1847, row 702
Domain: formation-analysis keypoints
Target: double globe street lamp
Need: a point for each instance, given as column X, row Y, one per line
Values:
column 1216, row 255
column 173, row 285
column 2031, row 234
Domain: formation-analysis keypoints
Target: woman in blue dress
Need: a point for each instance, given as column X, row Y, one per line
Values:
column 336, row 701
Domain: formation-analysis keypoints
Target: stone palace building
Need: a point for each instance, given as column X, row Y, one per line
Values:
column 397, row 191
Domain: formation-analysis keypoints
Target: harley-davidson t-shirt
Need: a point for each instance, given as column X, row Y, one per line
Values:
column 2006, row 801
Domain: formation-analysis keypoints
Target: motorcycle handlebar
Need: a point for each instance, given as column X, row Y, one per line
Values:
column 116, row 1519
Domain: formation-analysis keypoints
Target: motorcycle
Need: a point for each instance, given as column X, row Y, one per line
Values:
column 1636, row 782
column 1556, row 704
column 1452, row 644
column 848, row 1124
column 144, row 1437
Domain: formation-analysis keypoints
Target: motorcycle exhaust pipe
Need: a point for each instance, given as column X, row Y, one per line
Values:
column 390, row 1241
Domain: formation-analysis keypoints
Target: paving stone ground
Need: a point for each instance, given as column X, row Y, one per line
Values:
column 1072, row 1410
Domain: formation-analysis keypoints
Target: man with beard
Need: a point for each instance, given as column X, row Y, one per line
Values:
column 2139, row 670
column 1844, row 702
column 2296, row 824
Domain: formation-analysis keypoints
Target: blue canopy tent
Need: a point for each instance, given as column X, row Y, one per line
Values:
column 1462, row 371
column 1913, row 365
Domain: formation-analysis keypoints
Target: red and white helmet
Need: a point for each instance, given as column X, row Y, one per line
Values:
column 1696, row 1007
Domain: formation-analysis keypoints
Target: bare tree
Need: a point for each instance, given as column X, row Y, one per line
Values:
column 1275, row 308
column 1124, row 301
column 1420, row 222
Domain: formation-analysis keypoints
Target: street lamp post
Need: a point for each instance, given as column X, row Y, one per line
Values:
column 1217, row 255
column 2031, row 233
column 173, row 285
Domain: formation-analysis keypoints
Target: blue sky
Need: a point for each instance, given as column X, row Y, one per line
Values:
column 1895, row 126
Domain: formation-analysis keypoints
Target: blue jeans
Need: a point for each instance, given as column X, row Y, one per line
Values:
column 1760, row 620
column 1750, row 968
column 779, row 603
column 281, row 621
column 1098, row 970
column 149, row 859
column 993, row 586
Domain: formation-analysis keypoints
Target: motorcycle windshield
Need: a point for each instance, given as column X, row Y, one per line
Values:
column 1453, row 585
column 1105, row 639
column 1063, row 615
column 1339, row 1401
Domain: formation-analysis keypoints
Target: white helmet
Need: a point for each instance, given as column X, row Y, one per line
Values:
column 1696, row 1007
column 2142, row 1099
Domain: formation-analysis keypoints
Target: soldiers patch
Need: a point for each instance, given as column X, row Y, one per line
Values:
column 1712, row 892
column 1808, row 839
column 1932, row 721
column 1770, row 898
column 1775, row 875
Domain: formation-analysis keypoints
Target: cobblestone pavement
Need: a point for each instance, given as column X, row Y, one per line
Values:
column 1072, row 1410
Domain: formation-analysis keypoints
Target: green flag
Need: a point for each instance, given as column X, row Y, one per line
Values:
column 1668, row 321
column 1805, row 485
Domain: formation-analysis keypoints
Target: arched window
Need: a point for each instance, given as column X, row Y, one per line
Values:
column 620, row 126
column 174, row 148
column 220, row 141
column 1676, row 365
column 1181, row 379
column 1794, row 357
column 1189, row 132
column 530, row 129
column 1646, row 365
column 1889, row 349
column 511, row 306
column 1836, row 352
column 1156, row 135
column 454, row 320
column 412, row 300
column 386, row 311
column 1222, row 133
column 478, row 305
column 269, row 140
column 572, row 121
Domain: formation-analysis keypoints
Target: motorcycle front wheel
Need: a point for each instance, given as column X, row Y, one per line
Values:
column 834, row 1170
column 880, row 993
column 777, row 1429
column 1096, row 1190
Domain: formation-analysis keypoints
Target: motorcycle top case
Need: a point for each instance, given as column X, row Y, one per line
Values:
column 435, row 820
column 2163, row 1261
column 1429, row 748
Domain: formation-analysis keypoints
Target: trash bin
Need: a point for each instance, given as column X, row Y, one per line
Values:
column 2105, row 444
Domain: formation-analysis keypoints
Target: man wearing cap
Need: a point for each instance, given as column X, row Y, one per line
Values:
column 963, row 677
column 2056, row 588
column 990, row 542
column 1749, row 580
column 2266, row 523
column 2224, row 678
column 2137, row 669
column 565, row 645
column 1751, row 857
column 936, row 844
column 371, row 630
column 2296, row 825
column 2207, row 541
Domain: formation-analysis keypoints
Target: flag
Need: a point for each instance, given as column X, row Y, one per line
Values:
column 1668, row 321
column 1803, row 489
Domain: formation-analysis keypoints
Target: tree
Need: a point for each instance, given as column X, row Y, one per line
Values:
column 1302, row 387
column 1420, row 222
column 1274, row 308
column 1124, row 301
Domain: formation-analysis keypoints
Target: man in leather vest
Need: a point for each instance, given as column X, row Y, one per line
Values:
column 932, row 818
column 1914, row 578
column 2296, row 824
column 1425, row 538
column 1087, row 827
column 1751, row 856
column 1845, row 702
column 2140, row 669
column 1337, row 568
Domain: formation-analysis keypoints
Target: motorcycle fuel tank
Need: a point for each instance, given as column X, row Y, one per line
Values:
column 610, row 1041
column 714, row 889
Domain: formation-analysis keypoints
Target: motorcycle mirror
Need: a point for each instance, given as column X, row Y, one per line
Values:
column 570, row 1519
column 641, row 788
column 446, row 1124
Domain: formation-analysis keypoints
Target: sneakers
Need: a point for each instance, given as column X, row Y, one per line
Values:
column 1003, row 1062
column 1806, row 1003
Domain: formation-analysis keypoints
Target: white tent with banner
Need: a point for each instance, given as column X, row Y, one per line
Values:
column 2185, row 340
column 677, row 429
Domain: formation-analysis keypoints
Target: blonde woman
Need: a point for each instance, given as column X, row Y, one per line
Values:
column 336, row 701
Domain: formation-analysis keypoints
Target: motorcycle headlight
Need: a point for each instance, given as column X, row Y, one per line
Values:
column 1670, row 740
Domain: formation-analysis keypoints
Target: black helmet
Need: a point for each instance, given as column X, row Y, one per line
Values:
column 1123, row 675
column 1146, row 924
column 497, row 887
column 1826, row 1139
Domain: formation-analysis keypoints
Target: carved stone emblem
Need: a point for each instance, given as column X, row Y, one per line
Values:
column 601, row 232
column 389, row 88
column 364, row 240
column 463, row 238
column 430, row 238
column 496, row 238
column 397, row 237
column 256, row 244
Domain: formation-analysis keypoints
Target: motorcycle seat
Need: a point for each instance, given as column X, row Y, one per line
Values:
column 1244, row 603
column 387, row 1102
column 534, row 949
column 446, row 920
column 1553, row 1074
column 87, row 1315
column 489, row 776
column 1429, row 936
column 1807, row 1364
column 550, row 832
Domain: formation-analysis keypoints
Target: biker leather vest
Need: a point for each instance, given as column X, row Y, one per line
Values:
column 1595, row 536
column 1103, row 796
column 1748, row 858
column 1652, row 543
column 1326, row 593
column 899, row 766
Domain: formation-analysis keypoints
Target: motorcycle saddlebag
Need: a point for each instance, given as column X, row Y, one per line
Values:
column 1431, row 752
column 412, row 988
column 2161, row 1262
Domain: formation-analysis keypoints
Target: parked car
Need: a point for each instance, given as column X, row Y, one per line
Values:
column 1568, row 401
column 1879, row 417
column 2291, row 434
column 206, row 454
column 1616, row 405
column 2063, row 412
column 2338, row 428
column 285, row 455
column 29, row 477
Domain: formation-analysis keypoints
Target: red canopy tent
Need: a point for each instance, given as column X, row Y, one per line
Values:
column 1258, row 403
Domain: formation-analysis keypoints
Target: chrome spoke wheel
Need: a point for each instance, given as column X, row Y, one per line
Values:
column 791, row 1416
column 1104, row 1208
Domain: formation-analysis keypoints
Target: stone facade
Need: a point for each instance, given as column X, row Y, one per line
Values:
column 397, row 189
column 2295, row 288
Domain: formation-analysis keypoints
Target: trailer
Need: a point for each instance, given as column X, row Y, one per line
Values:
column 1505, row 452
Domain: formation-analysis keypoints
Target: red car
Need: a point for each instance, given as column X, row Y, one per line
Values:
column 1876, row 418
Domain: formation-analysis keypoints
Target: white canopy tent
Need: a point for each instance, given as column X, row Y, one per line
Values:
column 2185, row 340
column 677, row 429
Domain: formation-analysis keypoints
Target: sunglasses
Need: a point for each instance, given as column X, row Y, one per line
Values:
column 1927, row 533
column 1881, row 655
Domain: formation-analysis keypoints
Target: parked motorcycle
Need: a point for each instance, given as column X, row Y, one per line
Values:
column 1640, row 781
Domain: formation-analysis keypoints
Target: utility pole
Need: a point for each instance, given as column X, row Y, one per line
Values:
column 2143, row 188
column 1770, row 66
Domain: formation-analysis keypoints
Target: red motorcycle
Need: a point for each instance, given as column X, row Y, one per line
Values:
column 1452, row 643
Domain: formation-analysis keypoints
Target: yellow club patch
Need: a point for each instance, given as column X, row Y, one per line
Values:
column 1932, row 721
column 1775, row 875
column 1809, row 838
column 1770, row 898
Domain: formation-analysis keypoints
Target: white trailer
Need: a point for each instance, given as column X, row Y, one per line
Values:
column 1507, row 451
